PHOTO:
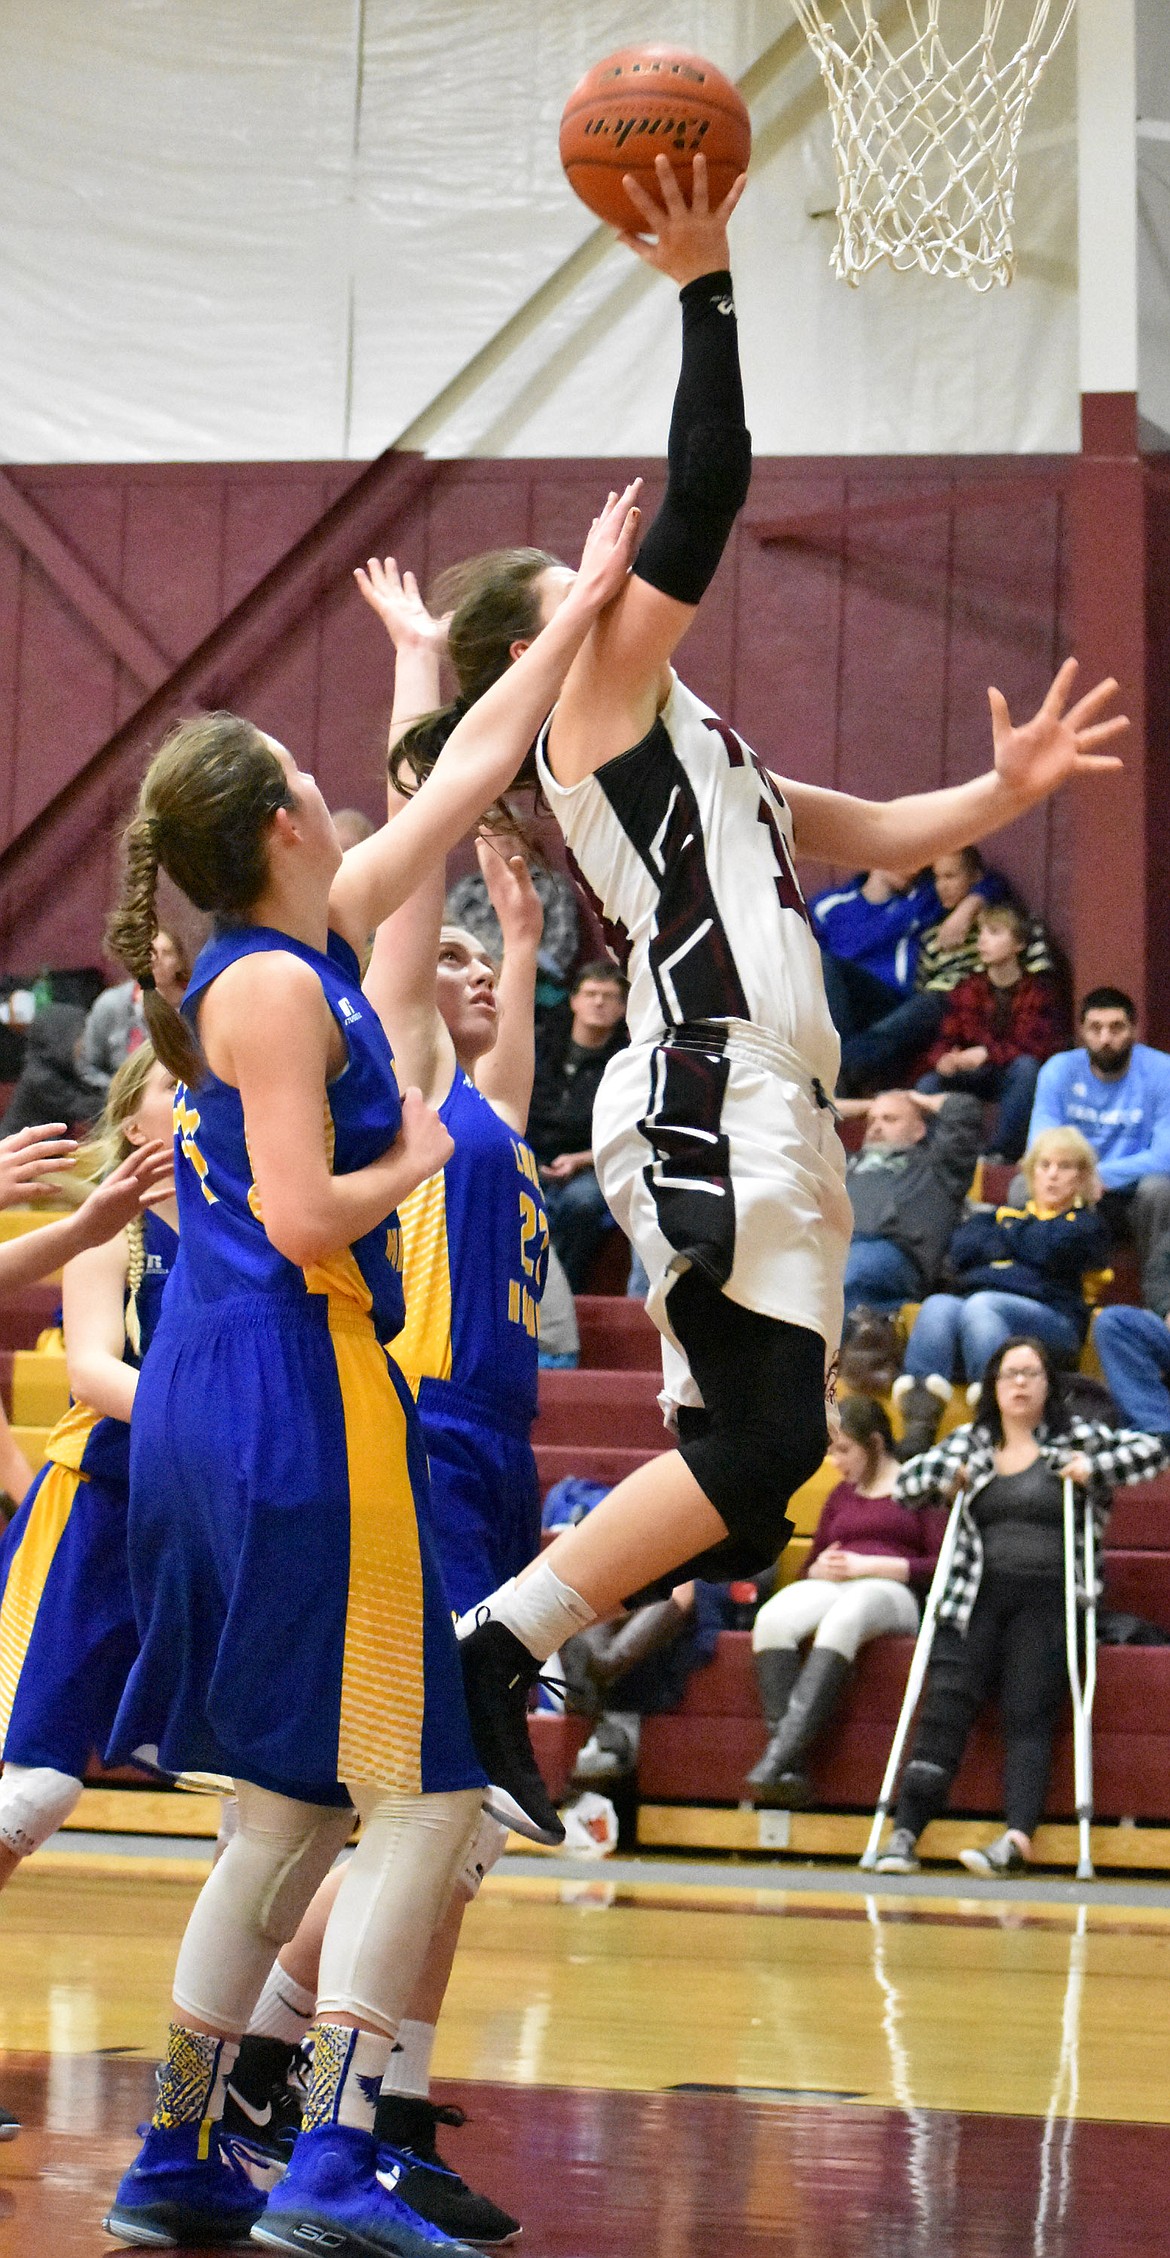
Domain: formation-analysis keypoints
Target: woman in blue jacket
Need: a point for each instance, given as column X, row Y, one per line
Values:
column 1021, row 1270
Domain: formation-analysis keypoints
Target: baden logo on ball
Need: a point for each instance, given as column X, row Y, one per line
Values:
column 643, row 102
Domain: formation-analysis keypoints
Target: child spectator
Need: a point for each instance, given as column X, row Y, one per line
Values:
column 998, row 1028
column 870, row 1564
column 1116, row 1091
column 1021, row 1270
column 871, row 933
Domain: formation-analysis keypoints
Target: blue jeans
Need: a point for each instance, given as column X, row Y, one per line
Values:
column 968, row 1329
column 578, row 1220
column 880, row 1275
column 890, row 1045
column 1015, row 1087
column 1134, row 1348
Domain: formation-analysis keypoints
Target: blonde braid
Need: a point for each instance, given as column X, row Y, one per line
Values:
column 135, row 1272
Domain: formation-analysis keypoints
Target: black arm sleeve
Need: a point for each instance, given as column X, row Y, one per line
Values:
column 709, row 451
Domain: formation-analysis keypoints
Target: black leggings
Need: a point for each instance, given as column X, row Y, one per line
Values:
column 1015, row 1645
column 762, row 1431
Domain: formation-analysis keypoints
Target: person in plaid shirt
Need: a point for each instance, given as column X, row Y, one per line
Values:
column 999, row 1027
column 1000, row 1625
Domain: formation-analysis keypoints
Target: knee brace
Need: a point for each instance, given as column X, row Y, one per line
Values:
column 253, row 1902
column 749, row 1466
column 34, row 1802
column 396, row 1890
column 484, row 1850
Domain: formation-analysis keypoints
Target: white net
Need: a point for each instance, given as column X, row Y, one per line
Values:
column 927, row 142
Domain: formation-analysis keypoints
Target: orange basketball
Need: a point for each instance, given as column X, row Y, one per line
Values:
column 643, row 101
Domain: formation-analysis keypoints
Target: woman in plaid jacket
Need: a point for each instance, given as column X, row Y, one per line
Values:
column 1000, row 1626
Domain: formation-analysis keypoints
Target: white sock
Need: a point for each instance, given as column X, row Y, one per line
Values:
column 284, row 2009
column 409, row 2068
column 540, row 1611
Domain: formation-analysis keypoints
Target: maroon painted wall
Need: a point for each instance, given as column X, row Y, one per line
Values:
column 860, row 613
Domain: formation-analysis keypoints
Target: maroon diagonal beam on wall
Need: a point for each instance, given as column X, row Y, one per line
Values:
column 97, row 796
column 105, row 614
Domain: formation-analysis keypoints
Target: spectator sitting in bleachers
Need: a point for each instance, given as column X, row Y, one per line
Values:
column 869, row 932
column 1134, row 1348
column 907, row 1186
column 964, row 886
column 573, row 1049
column 1001, row 1626
column 999, row 1026
column 636, row 1666
column 53, row 1084
column 869, row 1567
column 116, row 1026
column 1116, row 1091
column 1021, row 1270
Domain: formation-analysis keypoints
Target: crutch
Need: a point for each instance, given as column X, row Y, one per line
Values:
column 918, row 1665
column 1082, row 1688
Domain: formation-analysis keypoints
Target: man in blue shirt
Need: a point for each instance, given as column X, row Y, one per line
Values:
column 1116, row 1091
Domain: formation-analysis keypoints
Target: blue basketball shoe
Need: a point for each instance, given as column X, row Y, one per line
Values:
column 174, row 2199
column 338, row 2196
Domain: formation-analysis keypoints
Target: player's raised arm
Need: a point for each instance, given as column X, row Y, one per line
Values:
column 616, row 685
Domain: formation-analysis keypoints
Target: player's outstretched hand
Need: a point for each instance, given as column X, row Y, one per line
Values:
column 29, row 1155
column 1041, row 754
column 511, row 893
column 608, row 552
column 396, row 599
column 145, row 1179
column 688, row 240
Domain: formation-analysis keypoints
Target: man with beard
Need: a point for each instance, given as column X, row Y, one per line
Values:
column 1116, row 1091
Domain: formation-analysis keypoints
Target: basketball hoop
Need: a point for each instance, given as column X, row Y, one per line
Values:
column 927, row 146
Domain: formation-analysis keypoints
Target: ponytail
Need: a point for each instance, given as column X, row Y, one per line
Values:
column 130, row 933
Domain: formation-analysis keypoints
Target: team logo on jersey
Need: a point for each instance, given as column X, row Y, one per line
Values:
column 348, row 1011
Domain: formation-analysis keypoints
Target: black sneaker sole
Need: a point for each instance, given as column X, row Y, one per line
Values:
column 322, row 2237
column 171, row 2228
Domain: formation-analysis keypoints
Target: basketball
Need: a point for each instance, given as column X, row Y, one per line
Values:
column 642, row 101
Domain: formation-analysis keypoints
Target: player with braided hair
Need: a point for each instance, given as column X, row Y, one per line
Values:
column 67, row 1635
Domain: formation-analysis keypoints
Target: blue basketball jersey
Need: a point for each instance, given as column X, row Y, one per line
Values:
column 225, row 1249
column 474, row 1258
column 83, row 1438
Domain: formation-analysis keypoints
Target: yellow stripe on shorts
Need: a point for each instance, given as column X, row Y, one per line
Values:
column 423, row 1347
column 27, row 1578
column 380, row 1726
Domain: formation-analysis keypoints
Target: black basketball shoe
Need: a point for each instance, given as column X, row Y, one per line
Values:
column 498, row 1676
column 405, row 2130
column 262, row 2106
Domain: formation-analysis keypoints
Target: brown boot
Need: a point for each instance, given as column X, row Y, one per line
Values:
column 921, row 1404
column 614, row 1648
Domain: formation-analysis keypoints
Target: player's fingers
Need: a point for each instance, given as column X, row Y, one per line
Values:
column 21, row 1139
column 1086, row 761
column 651, row 212
column 671, row 193
column 732, row 197
column 1092, row 703
column 1060, row 689
column 1102, row 733
column 700, row 202
column 1000, row 716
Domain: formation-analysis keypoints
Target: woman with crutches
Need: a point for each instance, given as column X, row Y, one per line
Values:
column 999, row 1625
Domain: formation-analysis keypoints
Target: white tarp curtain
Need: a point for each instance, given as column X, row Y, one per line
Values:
column 277, row 228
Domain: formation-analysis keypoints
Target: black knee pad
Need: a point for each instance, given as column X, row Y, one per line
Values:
column 748, row 1468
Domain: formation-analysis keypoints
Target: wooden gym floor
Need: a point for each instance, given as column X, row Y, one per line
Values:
column 693, row 2062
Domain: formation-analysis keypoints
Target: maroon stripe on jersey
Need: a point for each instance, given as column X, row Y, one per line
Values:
column 689, row 955
column 614, row 934
column 689, row 1178
column 772, row 805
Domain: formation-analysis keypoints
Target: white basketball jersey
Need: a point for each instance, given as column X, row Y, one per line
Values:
column 684, row 846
